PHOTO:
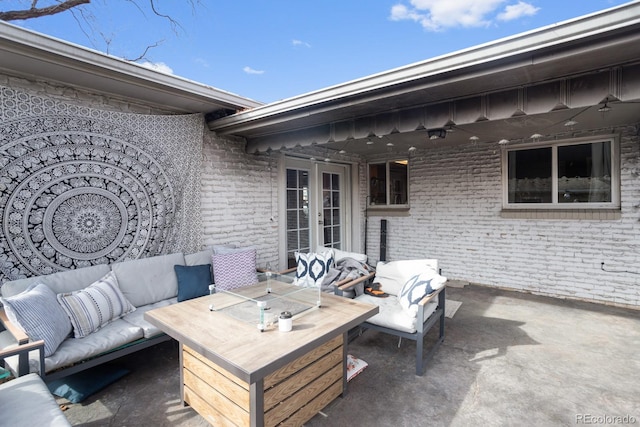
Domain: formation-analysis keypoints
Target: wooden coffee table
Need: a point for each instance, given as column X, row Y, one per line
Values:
column 234, row 374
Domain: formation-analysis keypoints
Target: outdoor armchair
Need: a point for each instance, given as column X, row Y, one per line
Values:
column 414, row 302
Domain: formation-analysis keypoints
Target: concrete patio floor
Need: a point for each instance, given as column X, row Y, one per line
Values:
column 508, row 359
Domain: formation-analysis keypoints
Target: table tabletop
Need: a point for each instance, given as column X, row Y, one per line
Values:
column 239, row 346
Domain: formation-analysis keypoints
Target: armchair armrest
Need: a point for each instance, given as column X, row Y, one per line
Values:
column 345, row 285
column 431, row 296
column 17, row 332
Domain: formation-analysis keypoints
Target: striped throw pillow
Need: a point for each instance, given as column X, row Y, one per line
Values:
column 95, row 306
column 38, row 313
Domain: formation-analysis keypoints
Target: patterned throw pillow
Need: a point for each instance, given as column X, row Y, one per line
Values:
column 38, row 313
column 234, row 270
column 417, row 287
column 312, row 267
column 95, row 306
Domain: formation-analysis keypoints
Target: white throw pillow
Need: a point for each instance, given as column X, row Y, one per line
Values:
column 417, row 287
column 312, row 267
column 392, row 275
column 95, row 306
column 37, row 312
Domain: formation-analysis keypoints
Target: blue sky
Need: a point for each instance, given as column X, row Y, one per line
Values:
column 269, row 50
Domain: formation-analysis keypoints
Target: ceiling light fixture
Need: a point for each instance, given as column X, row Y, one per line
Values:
column 436, row 133
column 604, row 108
column 536, row 136
column 503, row 141
column 343, row 151
column 389, row 144
column 474, row 138
column 412, row 148
column 369, row 142
column 570, row 122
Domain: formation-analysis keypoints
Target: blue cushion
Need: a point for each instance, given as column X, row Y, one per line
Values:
column 77, row 387
column 193, row 280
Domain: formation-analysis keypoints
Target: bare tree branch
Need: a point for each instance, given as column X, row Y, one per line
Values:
column 34, row 12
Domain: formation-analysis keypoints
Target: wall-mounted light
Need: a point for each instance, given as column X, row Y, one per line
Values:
column 436, row 133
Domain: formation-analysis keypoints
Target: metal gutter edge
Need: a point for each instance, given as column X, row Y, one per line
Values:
column 578, row 28
column 95, row 62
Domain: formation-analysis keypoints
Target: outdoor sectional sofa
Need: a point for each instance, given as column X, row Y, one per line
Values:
column 146, row 283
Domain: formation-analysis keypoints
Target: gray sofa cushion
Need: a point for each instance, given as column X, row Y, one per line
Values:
column 26, row 401
column 136, row 318
column 63, row 281
column 199, row 258
column 148, row 280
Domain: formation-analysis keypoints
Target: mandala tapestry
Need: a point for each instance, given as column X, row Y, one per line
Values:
column 81, row 186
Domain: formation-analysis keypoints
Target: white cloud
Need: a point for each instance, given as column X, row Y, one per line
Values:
column 436, row 15
column 515, row 11
column 157, row 66
column 203, row 62
column 300, row 43
column 250, row 70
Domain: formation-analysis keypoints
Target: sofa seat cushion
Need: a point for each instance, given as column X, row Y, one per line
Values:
column 62, row 281
column 27, row 401
column 136, row 318
column 392, row 315
column 110, row 337
column 148, row 280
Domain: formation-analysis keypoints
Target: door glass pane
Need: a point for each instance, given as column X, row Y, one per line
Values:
column 584, row 173
column 530, row 176
column 298, row 222
column 331, row 195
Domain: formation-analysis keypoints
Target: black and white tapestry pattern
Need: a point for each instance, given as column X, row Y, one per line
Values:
column 82, row 186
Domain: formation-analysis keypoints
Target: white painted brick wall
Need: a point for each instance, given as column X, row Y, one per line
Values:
column 239, row 198
column 456, row 199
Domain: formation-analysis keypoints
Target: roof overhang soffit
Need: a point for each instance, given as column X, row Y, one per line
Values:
column 618, row 84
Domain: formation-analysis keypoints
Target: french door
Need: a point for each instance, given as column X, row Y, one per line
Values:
column 315, row 206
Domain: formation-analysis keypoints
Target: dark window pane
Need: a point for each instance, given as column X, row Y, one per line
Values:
column 378, row 184
column 292, row 219
column 584, row 173
column 303, row 179
column 292, row 240
column 399, row 187
column 336, row 216
column 292, row 178
column 335, row 182
column 304, row 239
column 336, row 234
column 326, row 181
column 292, row 199
column 530, row 176
column 335, row 199
column 303, row 218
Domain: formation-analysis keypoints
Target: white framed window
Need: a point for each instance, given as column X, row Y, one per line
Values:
column 389, row 183
column 569, row 174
